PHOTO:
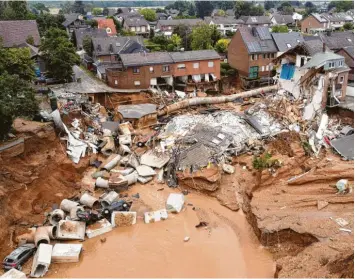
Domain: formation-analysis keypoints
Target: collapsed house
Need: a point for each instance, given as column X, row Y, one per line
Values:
column 320, row 79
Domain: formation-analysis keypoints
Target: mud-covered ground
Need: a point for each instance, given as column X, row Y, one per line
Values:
column 300, row 240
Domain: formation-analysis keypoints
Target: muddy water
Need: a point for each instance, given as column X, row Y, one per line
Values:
column 226, row 248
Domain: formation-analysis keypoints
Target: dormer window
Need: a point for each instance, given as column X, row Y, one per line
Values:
column 108, row 30
column 288, row 45
column 349, row 39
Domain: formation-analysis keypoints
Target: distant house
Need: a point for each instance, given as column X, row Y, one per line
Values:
column 138, row 25
column 277, row 19
column 173, row 12
column 348, row 54
column 337, row 40
column 127, row 13
column 106, row 51
column 73, row 22
column 91, row 32
column 315, row 22
column 108, row 25
column 167, row 26
column 163, row 68
column 23, row 34
column 18, row 32
column 254, row 21
column 224, row 24
column 322, row 78
column 163, row 16
column 251, row 52
column 285, row 41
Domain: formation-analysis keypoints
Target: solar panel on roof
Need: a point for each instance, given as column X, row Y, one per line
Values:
column 253, row 46
column 264, row 33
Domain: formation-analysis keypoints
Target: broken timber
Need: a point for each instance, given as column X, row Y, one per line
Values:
column 214, row 100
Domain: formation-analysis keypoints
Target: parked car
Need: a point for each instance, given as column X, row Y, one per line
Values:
column 120, row 205
column 19, row 256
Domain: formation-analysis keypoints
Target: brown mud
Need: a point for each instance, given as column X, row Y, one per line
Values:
column 284, row 218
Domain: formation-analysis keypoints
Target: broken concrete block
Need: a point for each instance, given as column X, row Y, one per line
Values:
column 175, row 202
column 133, row 161
column 122, row 218
column 144, row 180
column 117, row 180
column 109, row 198
column 154, row 159
column 155, row 216
column 71, row 230
column 228, row 168
column 125, row 139
column 67, row 205
column 111, row 164
column 124, row 172
column 101, row 183
column 160, row 177
column 98, row 228
column 132, row 178
column 126, row 128
column 321, row 204
column 124, row 149
column 41, row 260
column 66, row 253
column 89, row 201
column 56, row 216
column 13, row 273
column 145, row 171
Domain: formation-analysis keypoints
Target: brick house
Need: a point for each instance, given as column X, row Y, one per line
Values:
column 138, row 25
column 348, row 54
column 145, row 70
column 254, row 21
column 314, row 23
column 73, row 22
column 251, row 52
column 108, row 25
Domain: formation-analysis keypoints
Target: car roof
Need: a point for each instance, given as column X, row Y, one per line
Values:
column 19, row 250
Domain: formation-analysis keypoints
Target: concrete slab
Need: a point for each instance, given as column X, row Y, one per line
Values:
column 344, row 146
column 13, row 273
column 144, row 180
column 154, row 159
column 122, row 218
column 125, row 139
column 98, row 228
column 155, row 216
column 175, row 202
column 42, row 260
column 66, row 253
column 71, row 230
column 145, row 171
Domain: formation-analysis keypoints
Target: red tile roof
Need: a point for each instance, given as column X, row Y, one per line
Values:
column 108, row 25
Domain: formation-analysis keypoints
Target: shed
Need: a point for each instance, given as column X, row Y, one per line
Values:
column 140, row 116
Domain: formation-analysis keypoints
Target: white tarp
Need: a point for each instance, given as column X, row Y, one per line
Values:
column 153, row 81
column 196, row 78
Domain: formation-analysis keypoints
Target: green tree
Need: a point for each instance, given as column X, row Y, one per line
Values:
column 203, row 8
column 87, row 45
column 201, row 37
column 151, row 33
column 183, row 32
column 244, row 8
column 66, row 7
column 78, row 7
column 148, row 14
column 176, row 41
column 17, row 98
column 192, row 10
column 40, row 7
column 280, row 29
column 221, row 13
column 341, row 6
column 105, row 11
column 349, row 26
column 59, row 54
column 215, row 34
column 30, row 40
column 227, row 70
column 15, row 10
column 269, row 5
column 47, row 21
column 222, row 45
column 125, row 32
column 310, row 8
column 97, row 11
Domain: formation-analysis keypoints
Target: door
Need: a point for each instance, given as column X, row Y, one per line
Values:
column 287, row 71
column 253, row 72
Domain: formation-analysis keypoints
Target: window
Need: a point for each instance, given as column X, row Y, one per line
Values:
column 133, row 29
column 210, row 64
column 272, row 55
column 181, row 66
column 138, row 28
column 116, row 82
column 166, row 68
column 267, row 67
column 341, row 80
column 254, row 57
column 253, row 72
column 136, row 70
column 263, row 68
column 288, row 45
column 196, row 65
column 340, row 63
column 264, row 55
column 151, row 69
column 137, row 83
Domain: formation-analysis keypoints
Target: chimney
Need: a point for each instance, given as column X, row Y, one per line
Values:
column 253, row 31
